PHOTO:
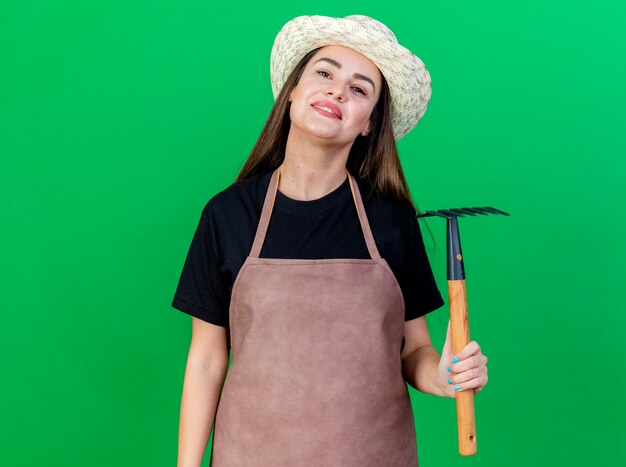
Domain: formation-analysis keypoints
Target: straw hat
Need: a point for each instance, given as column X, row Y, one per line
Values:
column 408, row 79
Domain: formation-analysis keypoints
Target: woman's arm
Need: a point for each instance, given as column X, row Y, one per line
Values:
column 207, row 364
column 420, row 360
column 441, row 375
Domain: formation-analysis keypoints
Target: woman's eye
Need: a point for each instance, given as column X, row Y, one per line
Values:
column 323, row 73
column 359, row 90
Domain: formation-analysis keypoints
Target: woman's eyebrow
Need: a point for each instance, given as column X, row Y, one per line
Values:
column 356, row 75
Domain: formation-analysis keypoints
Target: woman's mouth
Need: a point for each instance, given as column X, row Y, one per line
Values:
column 327, row 109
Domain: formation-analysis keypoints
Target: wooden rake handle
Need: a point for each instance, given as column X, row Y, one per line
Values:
column 459, row 324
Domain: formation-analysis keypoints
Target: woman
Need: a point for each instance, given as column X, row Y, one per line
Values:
column 323, row 298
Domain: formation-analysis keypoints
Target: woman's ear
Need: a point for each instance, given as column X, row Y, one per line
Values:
column 367, row 129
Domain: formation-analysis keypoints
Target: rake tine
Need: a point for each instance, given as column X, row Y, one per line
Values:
column 491, row 210
column 443, row 213
column 498, row 211
column 477, row 211
column 486, row 212
column 437, row 213
column 432, row 213
column 462, row 211
column 450, row 213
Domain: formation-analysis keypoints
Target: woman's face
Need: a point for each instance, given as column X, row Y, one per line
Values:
column 336, row 95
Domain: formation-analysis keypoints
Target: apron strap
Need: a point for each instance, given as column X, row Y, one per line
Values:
column 268, row 205
column 365, row 226
column 266, row 213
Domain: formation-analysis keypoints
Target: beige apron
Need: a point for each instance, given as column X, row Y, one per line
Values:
column 316, row 377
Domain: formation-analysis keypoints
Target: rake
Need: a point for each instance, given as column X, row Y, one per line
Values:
column 459, row 320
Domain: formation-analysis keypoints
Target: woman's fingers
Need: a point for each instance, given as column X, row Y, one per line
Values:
column 476, row 383
column 469, row 369
column 474, row 361
column 471, row 348
column 463, row 377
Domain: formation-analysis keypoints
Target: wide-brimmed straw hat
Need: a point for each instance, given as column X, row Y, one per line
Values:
column 408, row 79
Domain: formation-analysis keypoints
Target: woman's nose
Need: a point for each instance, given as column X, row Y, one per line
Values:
column 336, row 90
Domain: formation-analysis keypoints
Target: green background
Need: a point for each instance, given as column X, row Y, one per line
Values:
column 119, row 121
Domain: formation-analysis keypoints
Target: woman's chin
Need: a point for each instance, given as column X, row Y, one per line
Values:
column 319, row 132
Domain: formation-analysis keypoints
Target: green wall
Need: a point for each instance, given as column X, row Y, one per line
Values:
column 119, row 120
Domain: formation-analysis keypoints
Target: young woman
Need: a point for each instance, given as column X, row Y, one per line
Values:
column 311, row 267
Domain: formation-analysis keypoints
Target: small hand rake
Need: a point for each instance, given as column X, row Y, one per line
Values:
column 459, row 320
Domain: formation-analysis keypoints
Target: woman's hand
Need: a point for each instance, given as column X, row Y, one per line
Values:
column 465, row 370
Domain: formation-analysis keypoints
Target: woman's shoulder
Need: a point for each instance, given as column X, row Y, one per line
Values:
column 389, row 211
column 239, row 198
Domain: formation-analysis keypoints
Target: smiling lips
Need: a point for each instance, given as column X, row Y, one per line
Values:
column 327, row 109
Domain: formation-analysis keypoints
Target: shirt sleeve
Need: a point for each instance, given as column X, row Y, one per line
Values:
column 421, row 294
column 202, row 291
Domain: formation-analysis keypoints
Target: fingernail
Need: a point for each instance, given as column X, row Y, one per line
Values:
column 457, row 387
column 449, row 370
column 449, row 381
column 455, row 360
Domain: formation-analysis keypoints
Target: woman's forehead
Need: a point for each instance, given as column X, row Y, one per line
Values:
column 341, row 55
column 345, row 52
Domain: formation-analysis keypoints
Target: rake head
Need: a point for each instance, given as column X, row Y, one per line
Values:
column 456, row 212
column 456, row 268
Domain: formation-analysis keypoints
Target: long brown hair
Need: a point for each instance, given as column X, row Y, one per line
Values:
column 373, row 159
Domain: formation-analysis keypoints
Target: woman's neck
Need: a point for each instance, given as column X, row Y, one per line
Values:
column 311, row 170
